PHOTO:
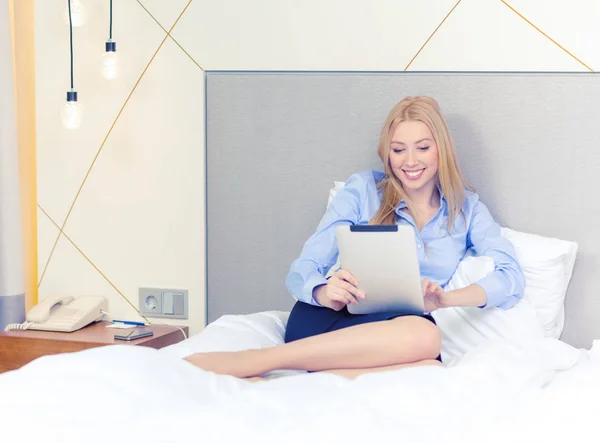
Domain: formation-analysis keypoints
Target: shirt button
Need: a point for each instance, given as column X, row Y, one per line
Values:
column 419, row 245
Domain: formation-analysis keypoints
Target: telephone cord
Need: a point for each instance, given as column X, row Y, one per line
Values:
column 14, row 326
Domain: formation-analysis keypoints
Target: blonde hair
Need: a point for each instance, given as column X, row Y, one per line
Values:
column 451, row 180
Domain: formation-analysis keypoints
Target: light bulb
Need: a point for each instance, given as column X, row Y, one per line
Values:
column 110, row 65
column 78, row 13
column 71, row 114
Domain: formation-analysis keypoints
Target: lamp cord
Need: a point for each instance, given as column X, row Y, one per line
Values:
column 110, row 31
column 71, row 40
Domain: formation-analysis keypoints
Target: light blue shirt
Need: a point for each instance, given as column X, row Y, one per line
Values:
column 358, row 201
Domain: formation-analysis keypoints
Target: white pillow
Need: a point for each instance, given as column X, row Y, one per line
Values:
column 466, row 328
column 548, row 265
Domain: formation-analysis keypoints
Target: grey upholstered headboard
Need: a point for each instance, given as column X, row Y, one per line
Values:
column 529, row 143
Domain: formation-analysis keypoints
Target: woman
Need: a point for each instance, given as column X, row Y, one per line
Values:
column 421, row 186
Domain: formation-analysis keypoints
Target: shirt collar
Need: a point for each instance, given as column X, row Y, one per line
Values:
column 403, row 205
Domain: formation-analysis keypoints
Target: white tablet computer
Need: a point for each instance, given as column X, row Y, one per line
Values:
column 383, row 258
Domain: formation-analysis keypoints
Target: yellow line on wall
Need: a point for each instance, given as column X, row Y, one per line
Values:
column 432, row 34
column 92, row 263
column 169, row 34
column 546, row 35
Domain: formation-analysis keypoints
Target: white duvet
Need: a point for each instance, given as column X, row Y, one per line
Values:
column 538, row 390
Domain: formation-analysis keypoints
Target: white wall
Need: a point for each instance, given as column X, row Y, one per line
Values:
column 139, row 156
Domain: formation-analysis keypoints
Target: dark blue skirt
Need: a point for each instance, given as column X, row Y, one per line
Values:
column 307, row 320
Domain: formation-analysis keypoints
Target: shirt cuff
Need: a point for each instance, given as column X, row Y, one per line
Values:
column 494, row 290
column 314, row 280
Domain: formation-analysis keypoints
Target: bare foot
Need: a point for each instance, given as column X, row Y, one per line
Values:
column 241, row 364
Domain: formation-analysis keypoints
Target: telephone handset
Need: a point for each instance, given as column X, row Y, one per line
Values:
column 63, row 313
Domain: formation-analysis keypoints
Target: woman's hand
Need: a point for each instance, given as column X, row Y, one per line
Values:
column 434, row 296
column 340, row 290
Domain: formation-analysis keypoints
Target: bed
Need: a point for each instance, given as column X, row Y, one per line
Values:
column 526, row 391
column 529, row 374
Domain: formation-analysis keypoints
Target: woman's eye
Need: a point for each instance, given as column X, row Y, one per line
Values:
column 424, row 148
column 398, row 151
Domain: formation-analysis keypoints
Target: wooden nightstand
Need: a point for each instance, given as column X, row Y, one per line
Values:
column 18, row 348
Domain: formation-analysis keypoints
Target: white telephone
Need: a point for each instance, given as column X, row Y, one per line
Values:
column 63, row 313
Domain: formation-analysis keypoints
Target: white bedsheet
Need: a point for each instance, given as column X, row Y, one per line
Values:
column 537, row 391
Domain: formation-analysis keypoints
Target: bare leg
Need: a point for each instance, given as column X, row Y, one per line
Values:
column 373, row 345
column 354, row 373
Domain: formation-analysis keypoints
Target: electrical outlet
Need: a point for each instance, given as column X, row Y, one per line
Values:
column 163, row 303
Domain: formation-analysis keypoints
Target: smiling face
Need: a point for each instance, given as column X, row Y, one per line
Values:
column 414, row 157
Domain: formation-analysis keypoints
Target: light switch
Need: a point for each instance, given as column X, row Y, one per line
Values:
column 168, row 303
column 178, row 308
column 163, row 302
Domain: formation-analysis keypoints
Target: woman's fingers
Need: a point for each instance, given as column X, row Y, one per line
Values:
column 342, row 296
column 435, row 288
column 430, row 287
column 432, row 290
column 344, row 279
column 357, row 293
column 425, row 283
column 348, row 292
column 346, row 275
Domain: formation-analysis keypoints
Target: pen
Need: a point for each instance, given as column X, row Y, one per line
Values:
column 127, row 322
